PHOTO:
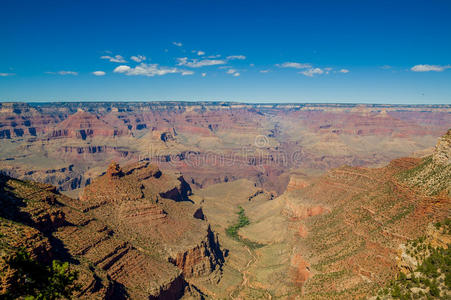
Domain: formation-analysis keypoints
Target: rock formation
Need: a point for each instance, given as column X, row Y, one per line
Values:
column 82, row 125
column 209, row 142
column 442, row 153
column 370, row 212
column 336, row 236
column 123, row 237
column 325, row 212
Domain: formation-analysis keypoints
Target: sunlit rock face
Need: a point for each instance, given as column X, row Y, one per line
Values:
column 69, row 144
column 123, row 236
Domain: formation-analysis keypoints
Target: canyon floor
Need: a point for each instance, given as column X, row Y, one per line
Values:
column 222, row 200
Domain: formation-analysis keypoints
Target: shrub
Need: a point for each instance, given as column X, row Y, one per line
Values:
column 24, row 277
column 434, row 290
column 243, row 220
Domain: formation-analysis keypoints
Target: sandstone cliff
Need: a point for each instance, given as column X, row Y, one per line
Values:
column 210, row 142
column 353, row 242
column 114, row 262
column 152, row 209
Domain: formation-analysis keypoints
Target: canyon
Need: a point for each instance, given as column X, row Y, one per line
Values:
column 69, row 144
column 131, row 246
column 139, row 197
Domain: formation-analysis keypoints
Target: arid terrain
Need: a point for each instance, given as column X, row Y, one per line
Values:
column 69, row 144
column 197, row 200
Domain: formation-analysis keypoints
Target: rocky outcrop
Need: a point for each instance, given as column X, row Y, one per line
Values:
column 140, row 196
column 296, row 183
column 202, row 259
column 102, row 149
column 206, row 141
column 65, row 178
column 136, row 232
column 357, row 218
column 83, row 125
column 433, row 173
column 100, row 235
column 20, row 120
column 442, row 151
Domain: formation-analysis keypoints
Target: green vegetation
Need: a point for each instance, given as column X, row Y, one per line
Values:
column 403, row 212
column 407, row 174
column 432, row 277
column 242, row 221
column 428, row 175
column 23, row 277
column 445, row 226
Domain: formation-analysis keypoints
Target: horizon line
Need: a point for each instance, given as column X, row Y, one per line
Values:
column 219, row 102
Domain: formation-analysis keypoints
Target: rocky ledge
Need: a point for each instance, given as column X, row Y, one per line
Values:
column 123, row 238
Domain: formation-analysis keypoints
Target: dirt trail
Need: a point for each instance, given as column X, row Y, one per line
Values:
column 245, row 283
column 245, row 269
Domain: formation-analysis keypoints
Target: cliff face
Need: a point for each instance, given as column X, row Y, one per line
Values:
column 433, row 173
column 104, row 237
column 202, row 259
column 442, row 152
column 210, row 143
column 68, row 177
column 140, row 196
column 83, row 125
column 353, row 220
column 338, row 236
column 136, row 233
column 52, row 226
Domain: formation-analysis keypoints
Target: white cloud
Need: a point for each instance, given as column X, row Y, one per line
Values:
column 116, row 58
column 195, row 63
column 264, row 71
column 232, row 57
column 6, row 74
column 122, row 69
column 67, row 73
column 312, row 71
column 328, row 70
column 210, row 61
column 150, row 70
column 178, row 44
column 294, row 65
column 233, row 72
column 204, row 74
column 99, row 73
column 138, row 58
column 427, row 68
column 386, row 67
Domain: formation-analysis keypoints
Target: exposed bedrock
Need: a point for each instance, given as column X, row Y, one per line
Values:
column 151, row 208
column 202, row 259
column 132, row 245
column 181, row 135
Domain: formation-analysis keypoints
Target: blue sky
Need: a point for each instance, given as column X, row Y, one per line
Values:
column 254, row 51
